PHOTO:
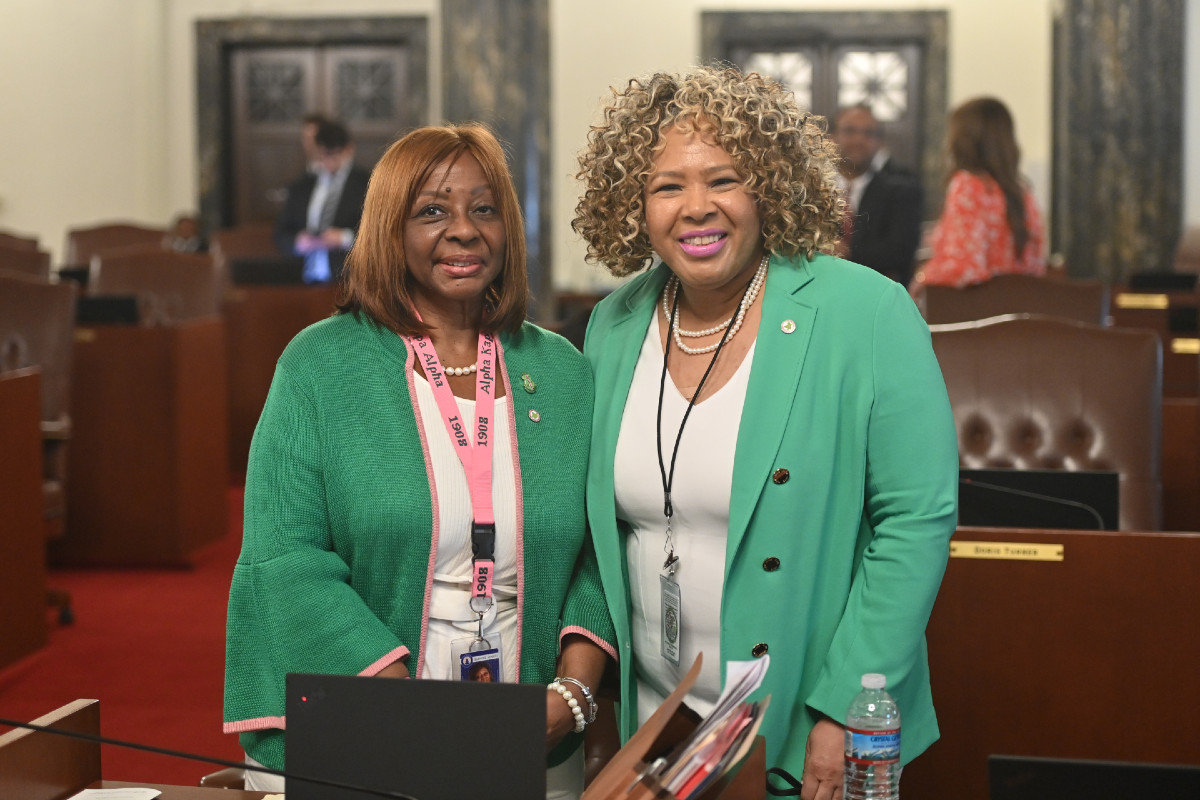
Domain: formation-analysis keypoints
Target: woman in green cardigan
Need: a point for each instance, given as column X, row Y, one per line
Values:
column 774, row 462
column 378, row 541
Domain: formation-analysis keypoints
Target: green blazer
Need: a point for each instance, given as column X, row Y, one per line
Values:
column 843, row 502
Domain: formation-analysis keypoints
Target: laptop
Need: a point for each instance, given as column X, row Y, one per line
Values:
column 1039, row 498
column 429, row 740
column 1025, row 778
column 269, row 271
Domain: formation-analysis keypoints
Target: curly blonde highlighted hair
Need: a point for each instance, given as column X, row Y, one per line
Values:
column 788, row 165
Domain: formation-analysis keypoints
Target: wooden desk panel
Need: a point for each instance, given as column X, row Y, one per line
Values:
column 1181, row 370
column 43, row 766
column 148, row 466
column 22, row 521
column 1181, row 464
column 1077, row 659
column 259, row 323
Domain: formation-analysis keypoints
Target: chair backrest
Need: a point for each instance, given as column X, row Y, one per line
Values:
column 252, row 240
column 31, row 262
column 37, row 321
column 15, row 241
column 1083, row 301
column 83, row 243
column 1034, row 392
column 171, row 287
column 1187, row 252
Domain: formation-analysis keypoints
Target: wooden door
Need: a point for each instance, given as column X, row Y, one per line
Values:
column 273, row 88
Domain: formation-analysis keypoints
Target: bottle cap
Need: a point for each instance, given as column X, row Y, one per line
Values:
column 874, row 680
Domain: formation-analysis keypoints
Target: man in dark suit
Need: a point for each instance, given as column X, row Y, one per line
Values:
column 885, row 199
column 321, row 214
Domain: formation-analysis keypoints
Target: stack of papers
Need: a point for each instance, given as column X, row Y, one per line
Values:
column 723, row 739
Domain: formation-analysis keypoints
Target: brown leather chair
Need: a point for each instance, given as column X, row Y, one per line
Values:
column 37, row 319
column 1083, row 301
column 252, row 240
column 15, row 241
column 83, row 243
column 30, row 262
column 1034, row 392
column 170, row 287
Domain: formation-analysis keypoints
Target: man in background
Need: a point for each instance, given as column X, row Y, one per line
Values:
column 320, row 217
column 884, row 226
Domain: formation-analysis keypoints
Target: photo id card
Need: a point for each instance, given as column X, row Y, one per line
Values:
column 671, row 605
column 477, row 660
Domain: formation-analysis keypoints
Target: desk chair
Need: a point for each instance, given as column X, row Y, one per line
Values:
column 37, row 319
column 170, row 287
column 15, row 241
column 1034, row 392
column 1083, row 301
column 83, row 243
column 29, row 262
column 252, row 240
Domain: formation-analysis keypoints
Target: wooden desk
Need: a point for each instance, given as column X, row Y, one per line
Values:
column 1079, row 658
column 148, row 472
column 22, row 522
column 35, row 765
column 259, row 323
column 1173, row 316
column 183, row 792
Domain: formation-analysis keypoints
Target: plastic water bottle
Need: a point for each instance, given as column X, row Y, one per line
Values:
column 872, row 743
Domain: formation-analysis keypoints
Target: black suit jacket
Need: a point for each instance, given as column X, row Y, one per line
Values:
column 887, row 223
column 293, row 218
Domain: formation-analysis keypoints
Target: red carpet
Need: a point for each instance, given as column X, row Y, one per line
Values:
column 150, row 645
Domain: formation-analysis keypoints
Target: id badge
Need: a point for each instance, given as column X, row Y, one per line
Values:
column 671, row 607
column 477, row 660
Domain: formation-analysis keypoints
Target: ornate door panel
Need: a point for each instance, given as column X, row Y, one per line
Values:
column 272, row 89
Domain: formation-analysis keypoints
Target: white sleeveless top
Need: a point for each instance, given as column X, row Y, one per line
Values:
column 700, row 498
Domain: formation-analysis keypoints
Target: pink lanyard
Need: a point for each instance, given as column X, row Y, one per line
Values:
column 477, row 460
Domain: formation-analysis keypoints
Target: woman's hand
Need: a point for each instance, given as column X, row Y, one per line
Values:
column 824, row 758
column 396, row 669
column 559, row 719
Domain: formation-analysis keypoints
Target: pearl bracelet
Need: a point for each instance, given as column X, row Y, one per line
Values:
column 576, row 711
column 587, row 696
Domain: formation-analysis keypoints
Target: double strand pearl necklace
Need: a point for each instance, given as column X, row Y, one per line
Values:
column 756, row 284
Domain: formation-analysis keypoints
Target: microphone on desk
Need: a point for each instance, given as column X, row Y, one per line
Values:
column 89, row 737
column 995, row 487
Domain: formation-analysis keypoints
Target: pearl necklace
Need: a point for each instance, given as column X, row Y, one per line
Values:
column 668, row 299
column 457, row 371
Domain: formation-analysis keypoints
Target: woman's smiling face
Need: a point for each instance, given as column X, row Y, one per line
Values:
column 700, row 217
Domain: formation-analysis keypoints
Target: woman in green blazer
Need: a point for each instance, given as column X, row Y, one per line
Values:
column 787, row 482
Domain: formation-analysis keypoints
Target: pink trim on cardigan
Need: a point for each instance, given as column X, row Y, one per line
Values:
column 389, row 659
column 433, row 500
column 603, row 645
column 256, row 724
column 519, row 504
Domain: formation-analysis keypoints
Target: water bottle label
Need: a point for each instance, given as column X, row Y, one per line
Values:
column 873, row 747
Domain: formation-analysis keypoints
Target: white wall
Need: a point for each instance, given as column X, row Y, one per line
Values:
column 82, row 132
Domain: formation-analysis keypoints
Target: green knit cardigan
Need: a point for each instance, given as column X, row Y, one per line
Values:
column 336, row 566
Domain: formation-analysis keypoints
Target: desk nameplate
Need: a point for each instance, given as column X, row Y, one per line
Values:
column 1007, row 551
column 1138, row 300
column 1183, row 346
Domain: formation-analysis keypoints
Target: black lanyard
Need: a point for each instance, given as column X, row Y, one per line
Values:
column 668, row 477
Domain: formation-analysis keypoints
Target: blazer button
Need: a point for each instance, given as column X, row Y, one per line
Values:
column 780, row 476
column 771, row 564
column 759, row 650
